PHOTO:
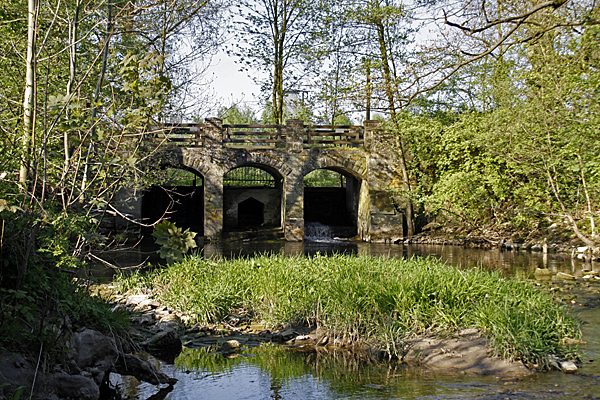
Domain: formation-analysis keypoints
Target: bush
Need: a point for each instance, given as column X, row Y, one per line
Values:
column 43, row 290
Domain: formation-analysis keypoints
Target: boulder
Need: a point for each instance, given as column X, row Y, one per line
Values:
column 74, row 387
column 15, row 372
column 95, row 350
column 128, row 364
column 166, row 340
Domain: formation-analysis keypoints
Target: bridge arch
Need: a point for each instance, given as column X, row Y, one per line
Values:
column 253, row 198
column 197, row 164
column 178, row 196
column 333, row 209
column 355, row 166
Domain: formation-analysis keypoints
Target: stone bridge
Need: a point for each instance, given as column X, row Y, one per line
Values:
column 362, row 154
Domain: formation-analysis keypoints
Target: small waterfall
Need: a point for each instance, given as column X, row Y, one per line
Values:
column 317, row 232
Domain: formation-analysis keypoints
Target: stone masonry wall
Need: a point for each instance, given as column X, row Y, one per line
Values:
column 378, row 219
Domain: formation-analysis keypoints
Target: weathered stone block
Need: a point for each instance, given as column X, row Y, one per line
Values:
column 294, row 229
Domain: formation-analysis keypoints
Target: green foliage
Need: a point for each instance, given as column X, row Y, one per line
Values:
column 461, row 194
column 174, row 241
column 324, row 178
column 382, row 301
column 90, row 118
column 237, row 115
column 43, row 296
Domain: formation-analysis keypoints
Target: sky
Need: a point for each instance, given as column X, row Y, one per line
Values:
column 232, row 86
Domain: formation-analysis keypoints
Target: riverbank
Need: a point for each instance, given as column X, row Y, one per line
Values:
column 161, row 332
column 375, row 301
column 286, row 282
column 554, row 239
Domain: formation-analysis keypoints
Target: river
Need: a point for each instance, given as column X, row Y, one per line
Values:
column 275, row 372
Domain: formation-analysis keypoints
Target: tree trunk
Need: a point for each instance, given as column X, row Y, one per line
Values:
column 389, row 90
column 29, row 96
column 73, row 28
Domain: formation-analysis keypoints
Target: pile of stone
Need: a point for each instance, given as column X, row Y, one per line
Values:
column 90, row 356
column 89, row 359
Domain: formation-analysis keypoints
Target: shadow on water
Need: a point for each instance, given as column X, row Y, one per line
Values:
column 274, row 372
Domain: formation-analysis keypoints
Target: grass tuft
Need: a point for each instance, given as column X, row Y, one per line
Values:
column 381, row 301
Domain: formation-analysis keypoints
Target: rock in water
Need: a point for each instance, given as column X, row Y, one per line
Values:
column 230, row 346
column 165, row 345
column 542, row 272
column 565, row 276
column 128, row 364
column 568, row 366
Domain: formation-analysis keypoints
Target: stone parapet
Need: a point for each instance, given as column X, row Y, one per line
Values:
column 294, row 135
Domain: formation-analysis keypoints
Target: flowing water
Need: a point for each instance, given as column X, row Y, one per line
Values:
column 276, row 372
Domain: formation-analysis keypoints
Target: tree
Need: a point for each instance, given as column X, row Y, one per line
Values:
column 82, row 86
column 29, row 96
column 525, row 153
column 237, row 115
column 280, row 37
column 553, row 132
column 380, row 34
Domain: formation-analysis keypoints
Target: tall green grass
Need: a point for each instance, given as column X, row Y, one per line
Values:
column 377, row 300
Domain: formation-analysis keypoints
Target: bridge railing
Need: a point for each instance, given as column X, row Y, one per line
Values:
column 333, row 135
column 253, row 135
column 258, row 135
column 188, row 134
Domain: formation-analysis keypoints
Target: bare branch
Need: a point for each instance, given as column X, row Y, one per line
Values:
column 513, row 19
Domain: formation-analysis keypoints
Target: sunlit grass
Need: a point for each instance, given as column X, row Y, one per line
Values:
column 377, row 300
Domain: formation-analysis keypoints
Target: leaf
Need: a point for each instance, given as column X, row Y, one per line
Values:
column 4, row 205
column 174, row 242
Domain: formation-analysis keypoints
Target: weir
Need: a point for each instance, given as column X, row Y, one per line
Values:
column 222, row 156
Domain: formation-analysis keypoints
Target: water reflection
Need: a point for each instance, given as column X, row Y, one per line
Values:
column 512, row 263
column 273, row 372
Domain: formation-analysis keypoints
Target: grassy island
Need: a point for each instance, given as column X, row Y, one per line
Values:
column 379, row 301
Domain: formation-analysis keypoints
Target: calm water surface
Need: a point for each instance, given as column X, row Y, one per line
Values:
column 274, row 372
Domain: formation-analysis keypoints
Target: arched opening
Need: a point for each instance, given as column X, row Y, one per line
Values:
column 178, row 196
column 251, row 213
column 252, row 197
column 331, row 200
